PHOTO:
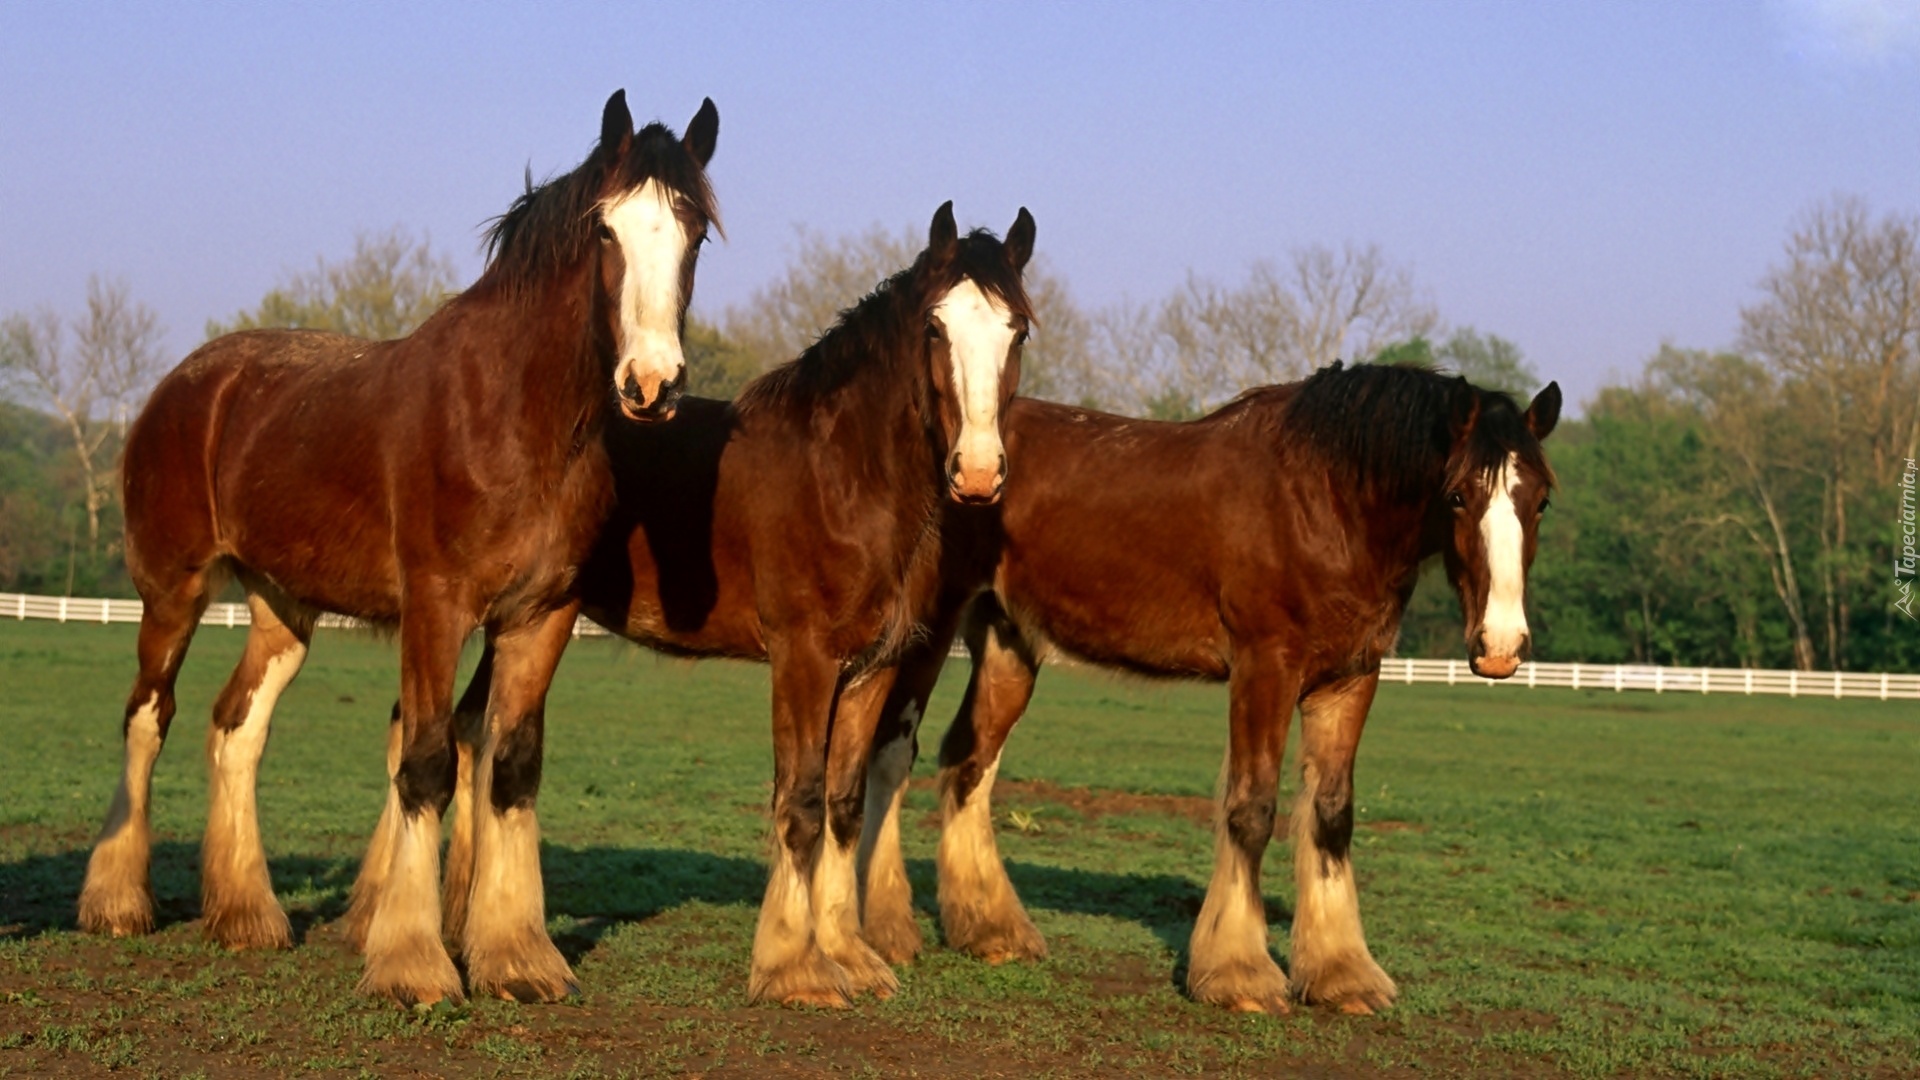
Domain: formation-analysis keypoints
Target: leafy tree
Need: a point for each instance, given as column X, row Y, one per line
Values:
column 386, row 288
column 717, row 366
column 1490, row 361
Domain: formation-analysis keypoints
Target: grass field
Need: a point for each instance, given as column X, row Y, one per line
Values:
column 1564, row 883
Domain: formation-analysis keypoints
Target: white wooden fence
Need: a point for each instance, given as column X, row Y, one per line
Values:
column 1616, row 677
column 89, row 610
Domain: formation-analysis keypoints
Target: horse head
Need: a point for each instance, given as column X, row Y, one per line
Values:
column 651, row 217
column 976, row 319
column 1496, row 491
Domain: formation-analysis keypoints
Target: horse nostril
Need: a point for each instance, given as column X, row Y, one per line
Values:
column 953, row 466
column 631, row 389
column 1003, row 469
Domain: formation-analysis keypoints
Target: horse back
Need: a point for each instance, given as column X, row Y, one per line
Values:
column 1144, row 544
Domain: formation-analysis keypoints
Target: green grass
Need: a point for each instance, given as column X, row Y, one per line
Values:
column 1570, row 883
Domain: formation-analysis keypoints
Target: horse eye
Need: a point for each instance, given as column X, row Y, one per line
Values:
column 604, row 233
column 1020, row 339
column 1456, row 500
column 1544, row 503
column 933, row 331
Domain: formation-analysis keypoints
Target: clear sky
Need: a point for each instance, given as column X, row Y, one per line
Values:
column 1586, row 179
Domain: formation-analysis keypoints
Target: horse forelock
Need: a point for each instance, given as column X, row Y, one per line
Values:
column 982, row 259
column 1499, row 436
column 551, row 225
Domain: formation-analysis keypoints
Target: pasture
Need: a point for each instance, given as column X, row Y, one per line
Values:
column 1563, row 883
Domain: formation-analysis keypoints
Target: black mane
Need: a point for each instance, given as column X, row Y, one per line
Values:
column 1389, row 427
column 551, row 226
column 878, row 324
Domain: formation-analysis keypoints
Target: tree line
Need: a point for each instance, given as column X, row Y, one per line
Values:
column 1730, row 507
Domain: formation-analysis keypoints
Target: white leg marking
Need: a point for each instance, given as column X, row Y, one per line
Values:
column 508, row 952
column 405, row 958
column 236, row 891
column 117, row 897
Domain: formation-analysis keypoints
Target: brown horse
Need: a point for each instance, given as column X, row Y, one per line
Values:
column 801, row 525
column 447, row 481
column 1272, row 545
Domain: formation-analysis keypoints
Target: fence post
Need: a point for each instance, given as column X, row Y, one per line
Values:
column 1618, row 674
column 1659, row 681
column 63, row 609
column 1705, row 675
column 1836, row 686
column 1533, row 670
column 1452, row 666
column 1576, row 674
column 1793, row 683
column 1883, row 686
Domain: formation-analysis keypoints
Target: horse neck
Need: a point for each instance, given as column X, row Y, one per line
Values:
column 539, row 360
column 889, row 402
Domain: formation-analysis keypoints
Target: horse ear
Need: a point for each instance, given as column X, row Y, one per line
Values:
column 1544, row 413
column 1020, row 240
column 702, row 130
column 616, row 126
column 944, row 237
column 1466, row 407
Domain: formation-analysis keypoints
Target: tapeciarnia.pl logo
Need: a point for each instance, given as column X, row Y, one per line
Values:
column 1903, row 557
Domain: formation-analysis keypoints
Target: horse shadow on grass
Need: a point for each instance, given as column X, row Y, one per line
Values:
column 597, row 888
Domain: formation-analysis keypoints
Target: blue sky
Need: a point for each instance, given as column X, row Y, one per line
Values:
column 1587, row 179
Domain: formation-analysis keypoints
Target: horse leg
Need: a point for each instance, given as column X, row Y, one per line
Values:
column 373, row 868
column 886, row 898
column 505, row 942
column 468, row 731
column 1331, row 963
column 836, row 878
column 117, row 898
column 470, row 735
column 1228, row 961
column 405, row 958
column 788, row 964
column 979, row 911
column 237, row 904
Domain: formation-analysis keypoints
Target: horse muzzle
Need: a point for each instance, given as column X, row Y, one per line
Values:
column 638, row 405
column 976, row 486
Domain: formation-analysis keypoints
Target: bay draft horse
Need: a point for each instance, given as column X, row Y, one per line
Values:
column 800, row 524
column 1272, row 545
column 450, row 480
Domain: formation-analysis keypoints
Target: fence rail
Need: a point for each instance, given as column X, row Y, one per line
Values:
column 1617, row 677
column 92, row 610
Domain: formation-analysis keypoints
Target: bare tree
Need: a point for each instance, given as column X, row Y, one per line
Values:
column 389, row 285
column 1840, row 323
column 825, row 277
column 829, row 275
column 92, row 386
column 1208, row 341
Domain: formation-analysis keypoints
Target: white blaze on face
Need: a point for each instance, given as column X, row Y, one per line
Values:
column 653, row 244
column 1504, row 624
column 979, row 336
